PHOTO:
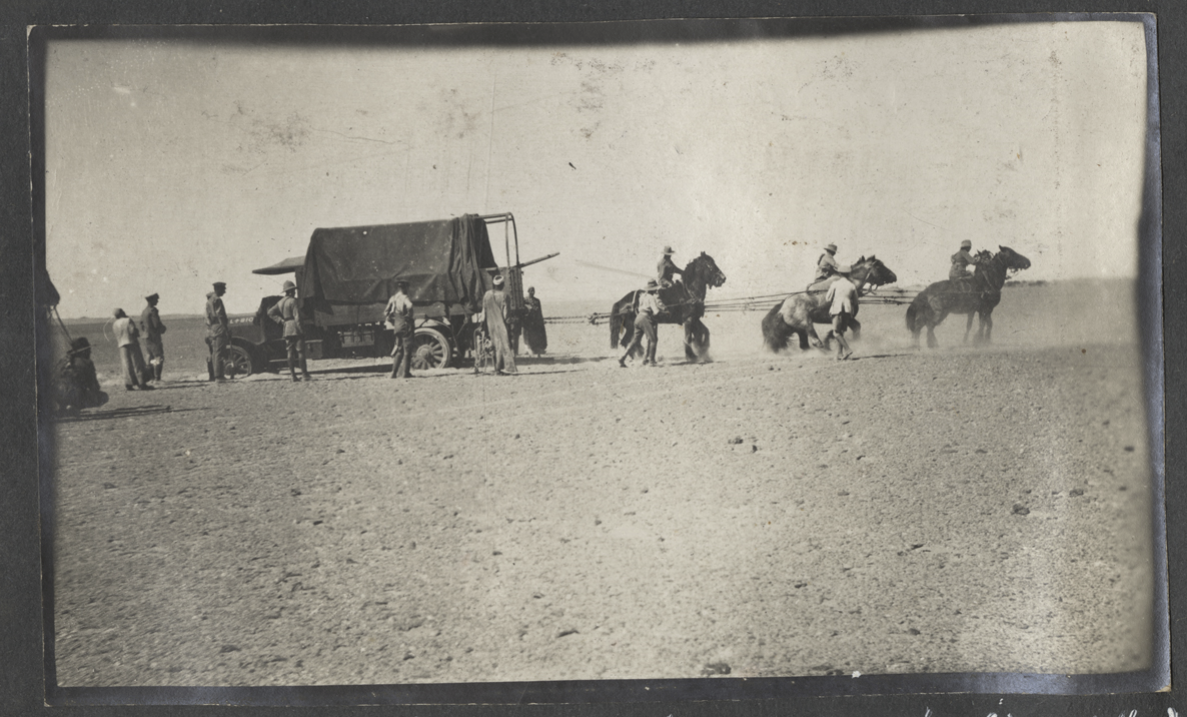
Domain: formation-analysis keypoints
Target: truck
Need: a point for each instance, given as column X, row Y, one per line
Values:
column 348, row 273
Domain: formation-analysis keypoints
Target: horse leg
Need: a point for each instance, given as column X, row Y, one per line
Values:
column 969, row 327
column 628, row 331
column 986, row 326
column 702, row 342
column 690, row 340
column 855, row 326
column 813, row 337
column 935, row 321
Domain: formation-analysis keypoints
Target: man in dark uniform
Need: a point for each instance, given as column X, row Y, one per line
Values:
column 286, row 313
column 398, row 313
column 667, row 269
column 961, row 261
column 649, row 306
column 218, row 331
column 152, row 328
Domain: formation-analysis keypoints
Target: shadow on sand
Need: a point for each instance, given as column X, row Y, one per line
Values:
column 99, row 414
column 564, row 360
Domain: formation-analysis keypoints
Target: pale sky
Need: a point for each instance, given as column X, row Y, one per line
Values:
column 172, row 164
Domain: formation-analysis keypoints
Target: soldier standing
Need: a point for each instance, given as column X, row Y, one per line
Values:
column 842, row 295
column 494, row 313
column 218, row 331
column 286, row 313
column 961, row 261
column 649, row 307
column 399, row 319
column 151, row 326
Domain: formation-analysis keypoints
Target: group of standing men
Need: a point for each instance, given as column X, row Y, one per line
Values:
column 138, row 372
column 495, row 316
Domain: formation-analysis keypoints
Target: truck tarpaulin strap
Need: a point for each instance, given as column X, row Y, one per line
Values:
column 442, row 261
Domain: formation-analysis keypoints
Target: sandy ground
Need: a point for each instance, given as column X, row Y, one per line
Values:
column 908, row 511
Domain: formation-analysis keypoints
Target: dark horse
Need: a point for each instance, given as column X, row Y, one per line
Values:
column 684, row 304
column 807, row 308
column 975, row 295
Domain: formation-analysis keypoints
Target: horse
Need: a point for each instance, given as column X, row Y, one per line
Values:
column 684, row 303
column 808, row 308
column 974, row 295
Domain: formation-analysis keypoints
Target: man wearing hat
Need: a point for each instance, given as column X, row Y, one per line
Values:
column 127, row 337
column 285, row 312
column 398, row 313
column 961, row 261
column 494, row 313
column 827, row 264
column 152, row 328
column 218, row 331
column 649, row 307
column 842, row 300
column 666, row 268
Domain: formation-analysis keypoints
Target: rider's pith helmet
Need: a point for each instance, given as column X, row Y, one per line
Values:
column 966, row 244
column 831, row 248
column 668, row 251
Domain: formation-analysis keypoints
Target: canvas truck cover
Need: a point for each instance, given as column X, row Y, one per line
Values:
column 350, row 272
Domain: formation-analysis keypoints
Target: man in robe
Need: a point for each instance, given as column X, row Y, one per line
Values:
column 494, row 313
column 534, row 333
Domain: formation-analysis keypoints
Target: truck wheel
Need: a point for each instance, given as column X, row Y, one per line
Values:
column 430, row 349
column 237, row 363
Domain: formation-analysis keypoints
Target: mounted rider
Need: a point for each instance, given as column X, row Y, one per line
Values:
column 961, row 260
column 827, row 264
column 666, row 269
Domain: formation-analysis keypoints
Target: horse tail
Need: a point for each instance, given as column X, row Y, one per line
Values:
column 774, row 331
column 919, row 313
